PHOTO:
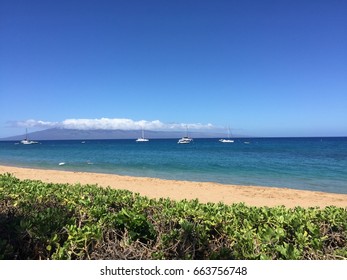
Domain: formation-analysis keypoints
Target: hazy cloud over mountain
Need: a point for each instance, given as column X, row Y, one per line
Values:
column 114, row 123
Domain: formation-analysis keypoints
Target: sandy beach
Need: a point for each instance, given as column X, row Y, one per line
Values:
column 178, row 190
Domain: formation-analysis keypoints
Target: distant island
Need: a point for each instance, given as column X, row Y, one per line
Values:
column 76, row 134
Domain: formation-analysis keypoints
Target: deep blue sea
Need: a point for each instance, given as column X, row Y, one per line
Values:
column 300, row 163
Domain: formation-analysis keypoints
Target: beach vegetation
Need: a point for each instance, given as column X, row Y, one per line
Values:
column 60, row 221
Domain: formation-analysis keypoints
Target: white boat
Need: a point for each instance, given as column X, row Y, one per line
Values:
column 142, row 139
column 26, row 141
column 185, row 139
column 228, row 140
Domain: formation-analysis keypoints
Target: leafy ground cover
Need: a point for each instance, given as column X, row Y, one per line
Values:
column 60, row 221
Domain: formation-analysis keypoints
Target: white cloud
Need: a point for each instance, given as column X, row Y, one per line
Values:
column 34, row 123
column 107, row 123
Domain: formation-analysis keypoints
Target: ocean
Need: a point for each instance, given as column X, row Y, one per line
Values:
column 318, row 164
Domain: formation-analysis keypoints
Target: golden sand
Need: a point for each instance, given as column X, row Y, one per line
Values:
column 178, row 190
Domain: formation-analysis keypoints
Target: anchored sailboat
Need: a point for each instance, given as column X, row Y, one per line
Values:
column 228, row 140
column 26, row 141
column 142, row 139
column 185, row 139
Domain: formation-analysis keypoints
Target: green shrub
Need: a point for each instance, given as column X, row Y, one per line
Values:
column 60, row 221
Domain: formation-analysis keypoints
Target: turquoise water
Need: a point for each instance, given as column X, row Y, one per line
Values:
column 300, row 163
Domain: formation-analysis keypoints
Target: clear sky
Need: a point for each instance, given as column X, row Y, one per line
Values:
column 266, row 68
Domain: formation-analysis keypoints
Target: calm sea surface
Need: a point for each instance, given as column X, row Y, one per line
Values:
column 301, row 163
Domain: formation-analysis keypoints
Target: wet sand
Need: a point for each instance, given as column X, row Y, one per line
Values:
column 178, row 190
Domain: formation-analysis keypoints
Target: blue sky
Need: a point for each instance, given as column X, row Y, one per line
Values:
column 266, row 68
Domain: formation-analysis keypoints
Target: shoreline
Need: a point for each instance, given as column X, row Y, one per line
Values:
column 179, row 190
